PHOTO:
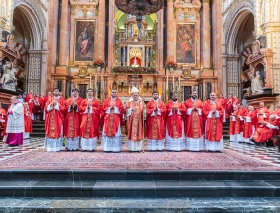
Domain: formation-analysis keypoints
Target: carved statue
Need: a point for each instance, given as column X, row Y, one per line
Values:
column 257, row 84
column 10, row 46
column 9, row 80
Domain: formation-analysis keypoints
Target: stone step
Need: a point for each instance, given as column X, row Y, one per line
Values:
column 38, row 134
column 143, row 205
column 139, row 189
column 138, row 175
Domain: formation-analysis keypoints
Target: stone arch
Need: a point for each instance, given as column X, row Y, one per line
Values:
column 30, row 17
column 233, row 22
column 32, row 21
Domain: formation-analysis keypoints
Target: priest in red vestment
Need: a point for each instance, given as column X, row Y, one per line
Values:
column 229, row 105
column 262, row 114
column 175, row 133
column 72, row 121
column 135, row 122
column 27, row 121
column 54, row 122
column 194, row 126
column 239, row 124
column 113, row 111
column 3, row 120
column 46, row 99
column 276, row 112
column 90, row 111
column 232, row 121
column 265, row 131
column 249, row 124
column 213, row 111
column 30, row 98
column 155, row 128
column 222, row 100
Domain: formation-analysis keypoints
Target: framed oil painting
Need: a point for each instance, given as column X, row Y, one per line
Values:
column 185, row 44
column 84, row 40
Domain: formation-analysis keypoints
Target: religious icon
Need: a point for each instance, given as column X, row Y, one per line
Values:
column 84, row 49
column 185, row 45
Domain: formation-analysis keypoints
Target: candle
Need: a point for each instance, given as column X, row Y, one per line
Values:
column 95, row 85
column 101, row 86
column 173, row 85
column 167, row 83
column 90, row 86
column 179, row 83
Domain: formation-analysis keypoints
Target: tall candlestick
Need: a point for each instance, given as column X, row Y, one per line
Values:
column 101, row 87
column 173, row 86
column 95, row 85
column 90, row 86
column 167, row 83
column 179, row 83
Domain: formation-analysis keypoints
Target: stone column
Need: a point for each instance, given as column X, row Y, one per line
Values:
column 170, row 31
column 52, row 42
column 64, row 34
column 160, row 28
column 111, row 42
column 206, row 34
column 100, row 45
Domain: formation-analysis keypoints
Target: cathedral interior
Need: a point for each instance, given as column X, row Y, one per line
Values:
column 230, row 47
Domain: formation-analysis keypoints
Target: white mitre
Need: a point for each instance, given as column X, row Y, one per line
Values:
column 133, row 91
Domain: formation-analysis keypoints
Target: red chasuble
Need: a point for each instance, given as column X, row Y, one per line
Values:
column 27, row 120
column 277, row 113
column 41, row 101
column 90, row 121
column 239, row 124
column 72, row 119
column 112, row 120
column 214, row 125
column 174, row 122
column 260, row 112
column 155, row 128
column 249, row 125
column 3, row 120
column 229, row 106
column 194, row 122
column 46, row 99
column 28, row 99
column 232, row 122
column 263, row 133
column 134, row 123
column 54, row 119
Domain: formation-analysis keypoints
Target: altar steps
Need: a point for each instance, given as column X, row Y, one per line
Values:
column 139, row 184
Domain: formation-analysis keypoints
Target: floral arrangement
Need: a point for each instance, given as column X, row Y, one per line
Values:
column 134, row 70
column 171, row 64
column 99, row 63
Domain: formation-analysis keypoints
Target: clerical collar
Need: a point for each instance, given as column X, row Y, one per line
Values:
column 193, row 100
column 136, row 101
column 175, row 102
column 75, row 98
column 212, row 102
column 156, row 100
column 90, row 98
column 57, row 97
column 113, row 99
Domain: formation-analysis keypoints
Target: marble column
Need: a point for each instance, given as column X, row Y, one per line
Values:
column 111, row 42
column 52, row 42
column 206, row 34
column 100, row 45
column 64, row 34
column 217, row 41
column 170, row 31
column 160, row 28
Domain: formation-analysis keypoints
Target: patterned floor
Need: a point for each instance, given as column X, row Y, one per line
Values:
column 268, row 155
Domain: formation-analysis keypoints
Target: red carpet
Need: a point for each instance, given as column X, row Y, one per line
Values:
column 98, row 160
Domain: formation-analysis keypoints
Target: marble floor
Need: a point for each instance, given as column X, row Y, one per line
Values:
column 110, row 205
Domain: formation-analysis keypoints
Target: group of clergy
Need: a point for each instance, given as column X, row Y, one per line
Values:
column 174, row 126
column 254, row 126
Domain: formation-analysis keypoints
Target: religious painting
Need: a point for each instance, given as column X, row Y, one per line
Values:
column 84, row 40
column 185, row 44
